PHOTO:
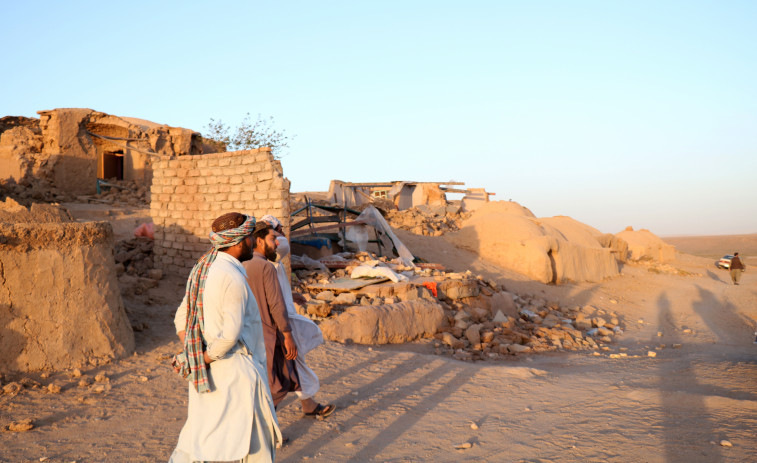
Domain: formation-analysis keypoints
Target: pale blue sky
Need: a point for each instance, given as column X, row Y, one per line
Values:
column 615, row 113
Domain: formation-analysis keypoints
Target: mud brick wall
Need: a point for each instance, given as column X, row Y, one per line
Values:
column 60, row 306
column 189, row 192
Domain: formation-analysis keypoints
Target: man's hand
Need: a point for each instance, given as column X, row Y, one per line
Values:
column 290, row 348
column 181, row 335
column 207, row 358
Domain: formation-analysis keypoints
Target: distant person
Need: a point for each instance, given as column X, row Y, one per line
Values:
column 307, row 335
column 231, row 414
column 737, row 267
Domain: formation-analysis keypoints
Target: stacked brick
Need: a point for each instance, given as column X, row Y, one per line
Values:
column 189, row 192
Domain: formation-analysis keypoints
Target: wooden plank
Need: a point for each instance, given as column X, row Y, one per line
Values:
column 347, row 284
column 425, row 265
column 337, row 264
column 316, row 219
column 322, row 228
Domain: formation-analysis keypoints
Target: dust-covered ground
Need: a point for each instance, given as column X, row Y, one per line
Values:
column 694, row 400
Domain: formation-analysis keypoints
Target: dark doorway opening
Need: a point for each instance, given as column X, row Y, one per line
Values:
column 113, row 165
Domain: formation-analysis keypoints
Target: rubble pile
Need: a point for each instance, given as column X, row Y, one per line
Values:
column 427, row 220
column 125, row 192
column 473, row 333
column 481, row 319
column 32, row 190
column 135, row 267
column 134, row 257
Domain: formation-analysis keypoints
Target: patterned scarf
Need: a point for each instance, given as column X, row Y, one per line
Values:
column 191, row 361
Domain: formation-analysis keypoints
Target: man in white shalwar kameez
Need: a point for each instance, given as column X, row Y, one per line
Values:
column 306, row 333
column 233, row 417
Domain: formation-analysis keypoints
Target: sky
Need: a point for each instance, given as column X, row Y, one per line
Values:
column 616, row 113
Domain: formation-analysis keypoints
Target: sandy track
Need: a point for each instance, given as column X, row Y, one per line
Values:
column 402, row 403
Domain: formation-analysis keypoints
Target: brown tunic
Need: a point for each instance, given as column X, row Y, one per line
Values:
column 264, row 283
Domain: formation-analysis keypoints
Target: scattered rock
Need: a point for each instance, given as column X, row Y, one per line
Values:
column 518, row 349
column 500, row 317
column 504, row 302
column 464, row 446
column 21, row 426
column 326, row 296
column 12, row 388
column 155, row 273
column 347, row 298
column 318, row 308
column 473, row 333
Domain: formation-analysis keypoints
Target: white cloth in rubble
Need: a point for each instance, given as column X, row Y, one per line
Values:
column 306, row 335
column 372, row 269
column 237, row 418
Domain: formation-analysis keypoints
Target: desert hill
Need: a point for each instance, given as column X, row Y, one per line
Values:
column 715, row 247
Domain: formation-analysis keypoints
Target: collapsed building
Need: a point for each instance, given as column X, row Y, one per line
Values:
column 404, row 194
column 71, row 148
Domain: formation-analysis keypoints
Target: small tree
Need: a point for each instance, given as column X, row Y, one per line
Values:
column 249, row 135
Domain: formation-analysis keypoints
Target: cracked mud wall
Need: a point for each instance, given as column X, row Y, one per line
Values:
column 189, row 192
column 60, row 306
column 70, row 148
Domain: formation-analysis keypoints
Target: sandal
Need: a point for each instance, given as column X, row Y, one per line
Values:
column 284, row 441
column 322, row 411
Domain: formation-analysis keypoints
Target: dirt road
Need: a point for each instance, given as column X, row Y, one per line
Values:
column 403, row 403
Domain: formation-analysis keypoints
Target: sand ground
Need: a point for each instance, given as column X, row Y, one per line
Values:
column 403, row 403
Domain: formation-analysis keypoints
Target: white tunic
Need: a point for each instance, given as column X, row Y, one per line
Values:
column 306, row 335
column 237, row 417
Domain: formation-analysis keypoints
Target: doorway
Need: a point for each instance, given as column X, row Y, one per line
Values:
column 113, row 165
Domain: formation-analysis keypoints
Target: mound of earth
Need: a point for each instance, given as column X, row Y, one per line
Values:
column 60, row 306
column 549, row 250
column 645, row 245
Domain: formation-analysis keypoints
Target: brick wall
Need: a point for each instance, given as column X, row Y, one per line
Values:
column 189, row 192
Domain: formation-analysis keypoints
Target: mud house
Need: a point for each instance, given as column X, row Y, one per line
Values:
column 70, row 148
column 404, row 194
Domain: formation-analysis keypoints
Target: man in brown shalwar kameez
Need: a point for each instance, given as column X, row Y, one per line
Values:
column 280, row 347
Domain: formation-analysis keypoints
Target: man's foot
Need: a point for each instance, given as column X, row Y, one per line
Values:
column 322, row 411
column 284, row 441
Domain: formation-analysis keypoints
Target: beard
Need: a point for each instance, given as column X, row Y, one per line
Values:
column 246, row 253
column 270, row 253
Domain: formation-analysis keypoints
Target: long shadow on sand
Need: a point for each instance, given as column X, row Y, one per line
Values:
column 676, row 412
column 721, row 318
column 444, row 380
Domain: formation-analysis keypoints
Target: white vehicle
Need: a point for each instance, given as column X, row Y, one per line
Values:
column 724, row 262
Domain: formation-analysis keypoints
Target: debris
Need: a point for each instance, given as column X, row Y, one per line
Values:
column 21, row 426
column 12, row 388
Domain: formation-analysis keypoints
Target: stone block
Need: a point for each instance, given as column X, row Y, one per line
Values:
column 394, row 323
